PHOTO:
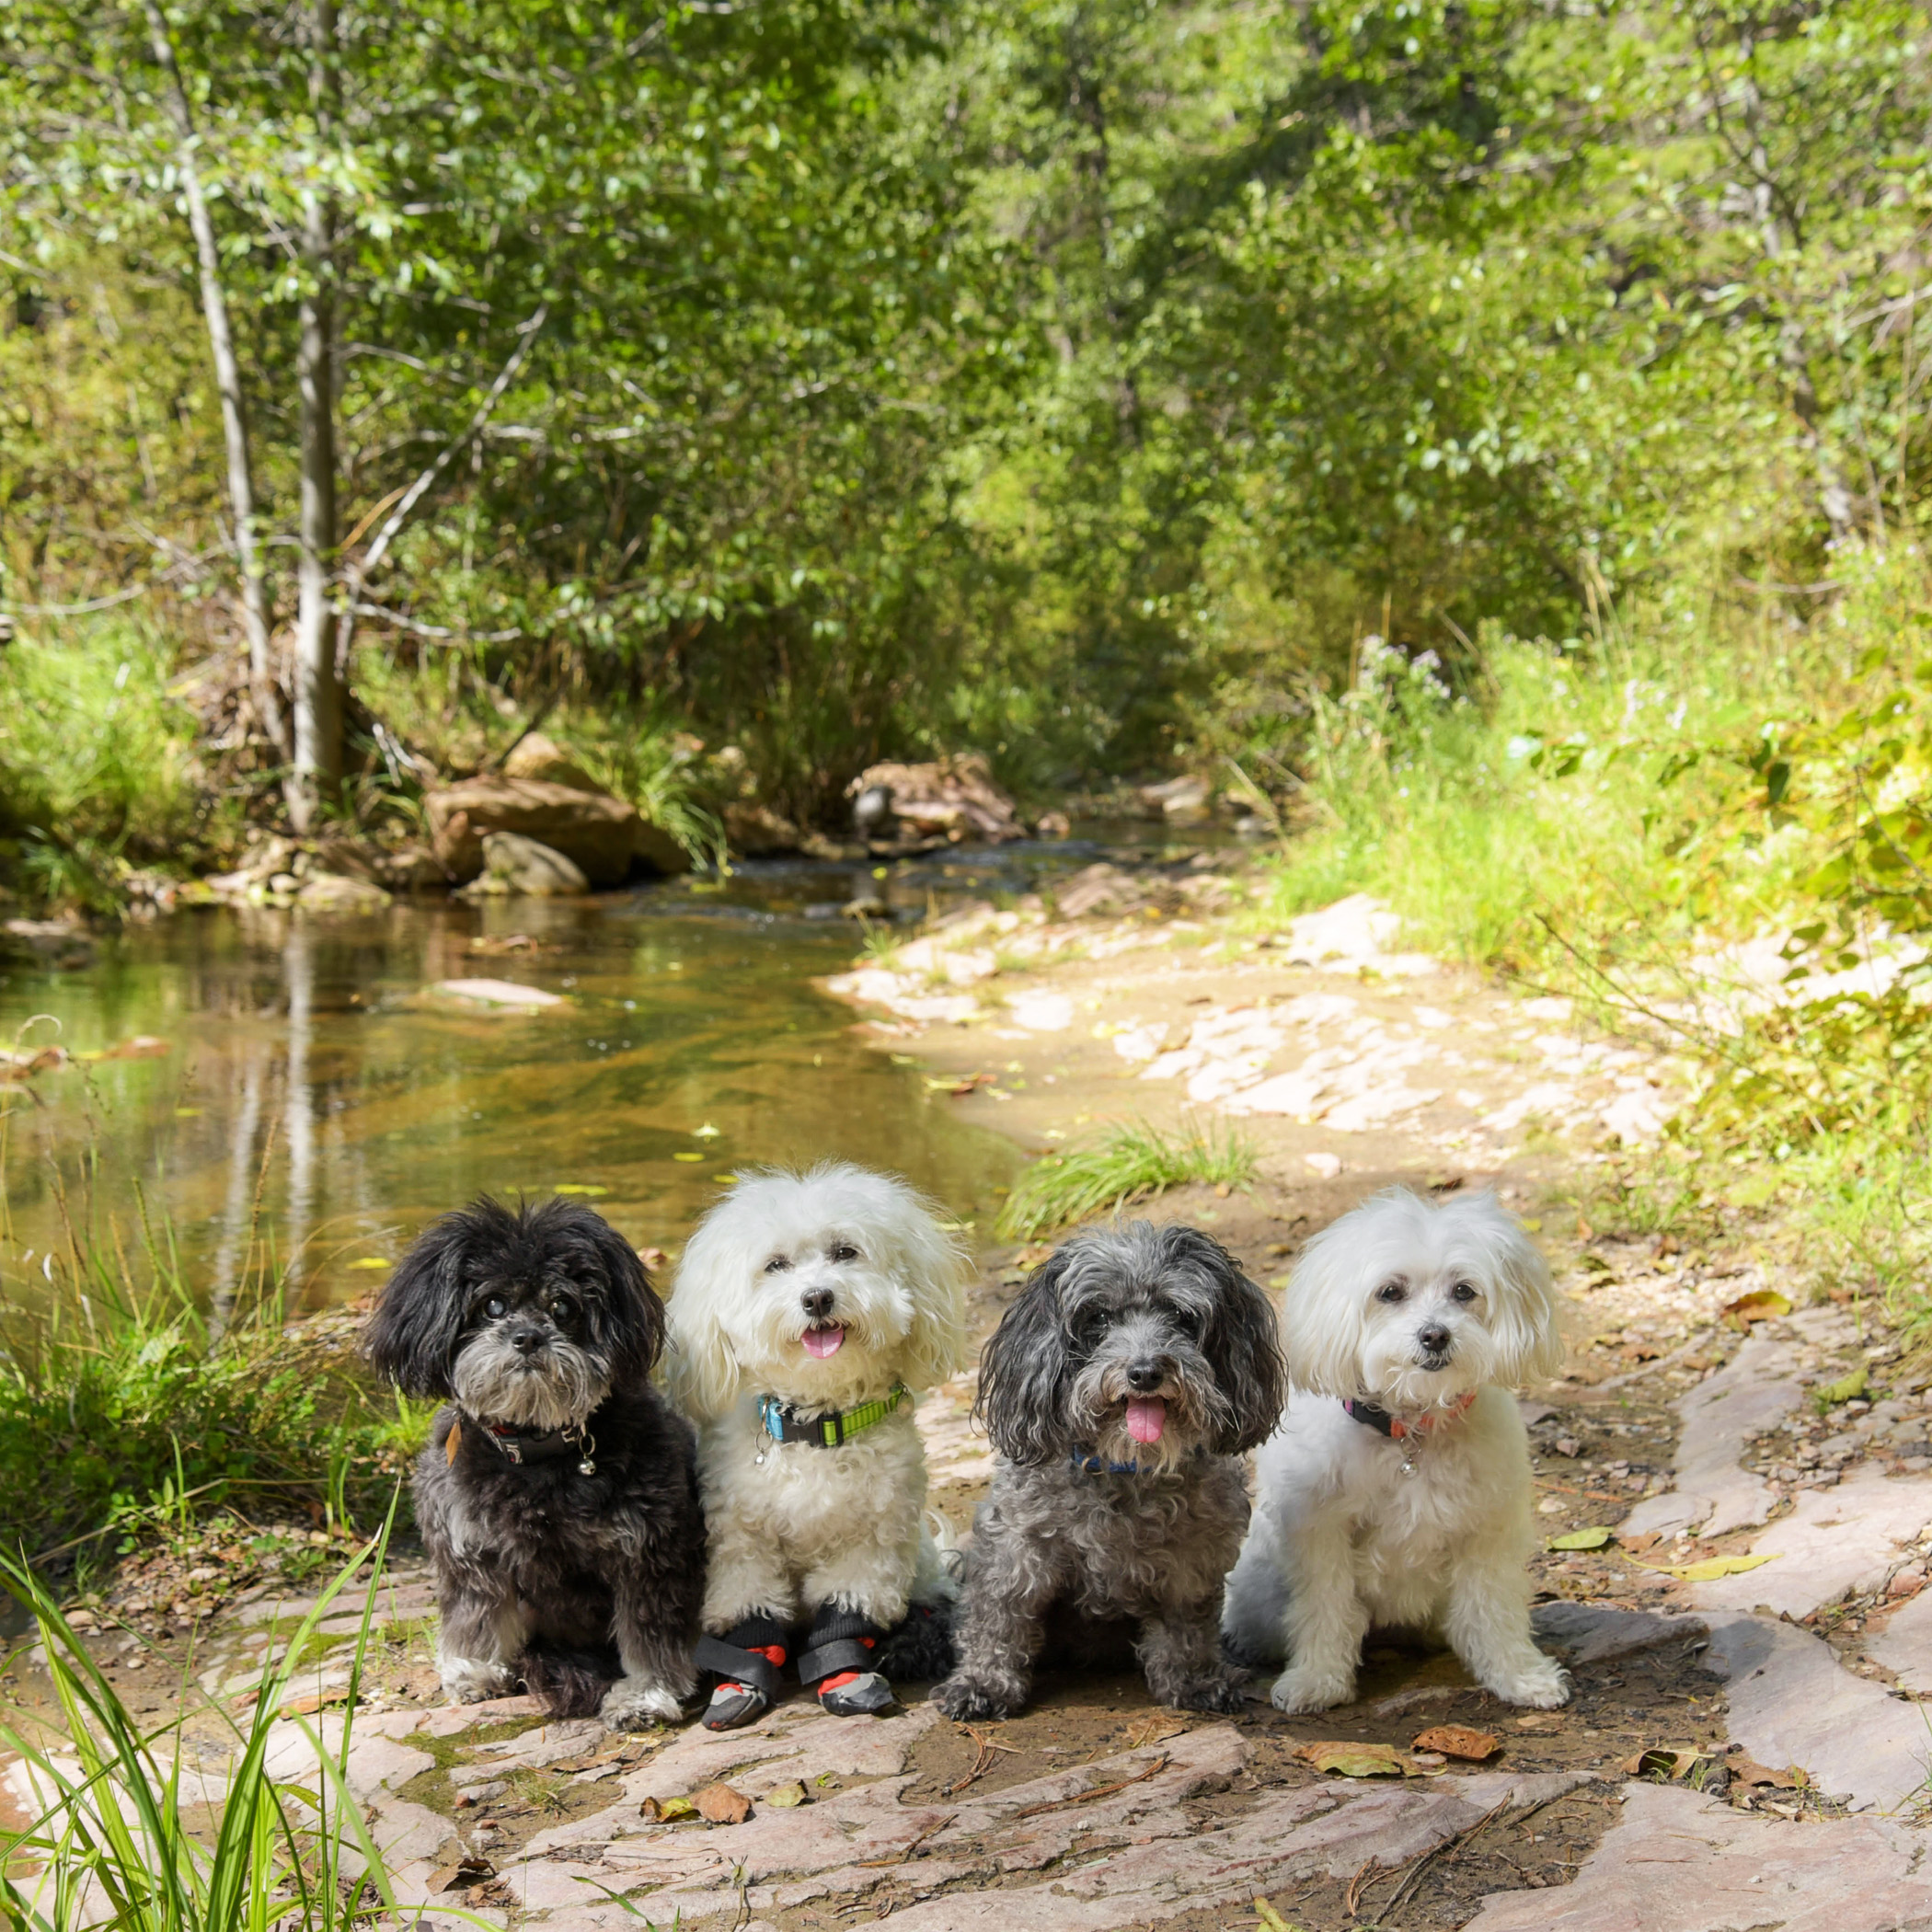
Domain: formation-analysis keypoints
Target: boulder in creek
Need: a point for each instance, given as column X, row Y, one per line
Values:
column 336, row 893
column 757, row 830
column 540, row 757
column 521, row 868
column 599, row 834
column 1186, row 801
column 953, row 799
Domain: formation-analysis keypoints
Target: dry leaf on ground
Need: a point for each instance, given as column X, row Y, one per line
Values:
column 1594, row 1538
column 1660, row 1760
column 1352, row 1760
column 667, row 1810
column 1760, row 1304
column 1746, row 1770
column 786, row 1795
column 1473, row 1747
column 1710, row 1568
column 719, row 1804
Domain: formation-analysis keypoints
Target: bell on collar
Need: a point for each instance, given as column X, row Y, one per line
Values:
column 587, row 1468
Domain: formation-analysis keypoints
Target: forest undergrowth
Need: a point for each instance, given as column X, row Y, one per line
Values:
column 1721, row 842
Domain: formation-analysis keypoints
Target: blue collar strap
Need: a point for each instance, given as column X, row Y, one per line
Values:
column 1088, row 1464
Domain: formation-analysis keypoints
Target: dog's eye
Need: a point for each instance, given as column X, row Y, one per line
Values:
column 1392, row 1291
column 778, row 1264
column 496, row 1307
column 561, row 1307
column 843, row 1251
column 1463, row 1292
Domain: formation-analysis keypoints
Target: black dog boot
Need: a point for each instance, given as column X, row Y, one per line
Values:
column 747, row 1659
column 837, row 1661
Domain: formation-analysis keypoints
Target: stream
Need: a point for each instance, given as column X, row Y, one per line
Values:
column 264, row 1094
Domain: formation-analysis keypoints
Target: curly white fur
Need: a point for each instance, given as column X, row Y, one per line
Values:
column 1414, row 1307
column 791, row 1525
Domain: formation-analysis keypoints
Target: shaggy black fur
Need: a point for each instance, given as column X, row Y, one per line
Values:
column 584, row 1587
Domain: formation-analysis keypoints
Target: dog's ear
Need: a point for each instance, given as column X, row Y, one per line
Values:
column 412, row 1334
column 1025, row 1369
column 936, row 1265
column 629, row 1315
column 1522, row 1318
column 1244, row 1343
column 700, row 1364
column 1321, row 1315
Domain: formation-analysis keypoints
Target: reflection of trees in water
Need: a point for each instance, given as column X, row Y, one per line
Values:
column 298, row 966
column 238, row 1205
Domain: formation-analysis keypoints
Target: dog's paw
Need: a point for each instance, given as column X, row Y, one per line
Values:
column 476, row 1680
column 1220, row 1695
column 968, row 1699
column 632, row 1706
column 1542, row 1685
column 1298, row 1691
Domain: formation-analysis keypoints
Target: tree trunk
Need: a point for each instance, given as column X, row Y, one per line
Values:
column 316, row 780
column 227, row 382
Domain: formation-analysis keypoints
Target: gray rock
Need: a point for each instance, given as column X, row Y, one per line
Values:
column 1904, row 1645
column 1592, row 1633
column 530, row 870
column 1679, row 1862
column 1754, row 1390
column 1793, row 1703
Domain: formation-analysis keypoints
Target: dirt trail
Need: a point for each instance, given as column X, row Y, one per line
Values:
column 1795, row 1793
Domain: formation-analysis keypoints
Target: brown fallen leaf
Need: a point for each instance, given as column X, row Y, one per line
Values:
column 1474, row 1747
column 317, row 1700
column 786, row 1796
column 667, row 1810
column 1746, row 1770
column 1660, row 1761
column 464, row 1873
column 1760, row 1304
column 1352, row 1760
column 719, row 1804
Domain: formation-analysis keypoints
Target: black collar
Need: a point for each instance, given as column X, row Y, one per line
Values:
column 1366, row 1413
column 523, row 1446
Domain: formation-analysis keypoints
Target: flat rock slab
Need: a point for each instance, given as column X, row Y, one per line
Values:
column 1086, row 1846
column 1752, row 1391
column 1793, row 1703
column 1904, row 1645
column 1677, row 1861
column 1846, row 1538
column 1594, row 1633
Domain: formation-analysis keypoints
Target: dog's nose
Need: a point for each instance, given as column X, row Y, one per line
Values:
column 527, row 1341
column 1434, row 1339
column 1147, row 1373
column 818, row 1302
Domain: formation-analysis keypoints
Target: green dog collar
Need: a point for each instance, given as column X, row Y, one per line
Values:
column 784, row 1423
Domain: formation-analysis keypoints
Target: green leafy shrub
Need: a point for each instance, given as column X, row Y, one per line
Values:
column 1128, row 1164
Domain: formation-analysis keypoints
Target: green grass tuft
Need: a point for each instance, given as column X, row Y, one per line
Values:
column 1126, row 1164
column 117, row 1842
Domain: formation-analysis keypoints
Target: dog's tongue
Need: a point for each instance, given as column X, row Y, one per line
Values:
column 826, row 1341
column 1146, row 1416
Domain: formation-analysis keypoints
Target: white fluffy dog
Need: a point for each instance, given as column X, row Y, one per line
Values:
column 808, row 1309
column 1397, row 1489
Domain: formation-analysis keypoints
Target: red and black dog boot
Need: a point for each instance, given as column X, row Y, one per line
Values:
column 837, row 1662
column 747, row 1659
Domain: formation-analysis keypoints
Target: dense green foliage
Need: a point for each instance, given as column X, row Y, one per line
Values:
column 1081, row 379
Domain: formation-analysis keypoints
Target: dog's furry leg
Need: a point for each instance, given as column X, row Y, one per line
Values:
column 1001, row 1627
column 1487, row 1623
column 1325, row 1622
column 875, row 1580
column 485, row 1629
column 1180, row 1656
column 747, row 1576
column 657, row 1672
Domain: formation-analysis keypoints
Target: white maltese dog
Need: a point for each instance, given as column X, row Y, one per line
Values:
column 1397, row 1489
column 807, row 1310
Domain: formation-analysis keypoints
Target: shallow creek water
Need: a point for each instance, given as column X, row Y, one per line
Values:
column 302, row 1099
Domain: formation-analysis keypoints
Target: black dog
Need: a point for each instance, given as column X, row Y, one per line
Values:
column 557, row 1498
column 1121, row 1390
